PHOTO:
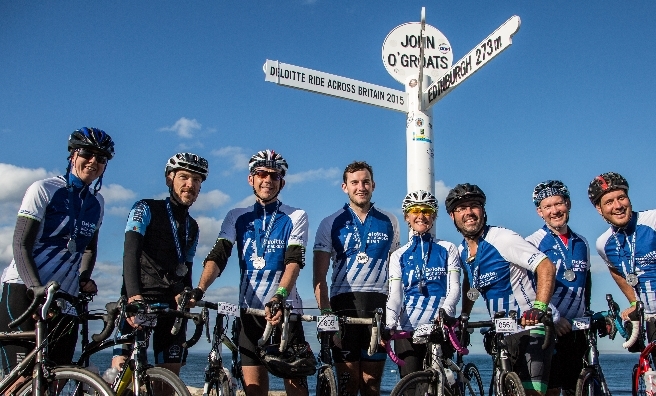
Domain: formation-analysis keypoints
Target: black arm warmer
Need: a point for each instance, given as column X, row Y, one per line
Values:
column 295, row 254
column 24, row 237
column 220, row 254
column 89, row 258
column 131, row 264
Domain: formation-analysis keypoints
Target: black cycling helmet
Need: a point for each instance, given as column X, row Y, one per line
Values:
column 93, row 138
column 297, row 361
column 188, row 161
column 268, row 159
column 464, row 192
column 548, row 189
column 606, row 182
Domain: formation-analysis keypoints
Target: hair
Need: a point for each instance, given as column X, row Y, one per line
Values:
column 358, row 166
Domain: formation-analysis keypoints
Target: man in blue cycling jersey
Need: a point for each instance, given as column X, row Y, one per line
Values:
column 56, row 239
column 571, row 254
column 502, row 268
column 160, row 244
column 359, row 239
column 271, row 239
column 628, row 247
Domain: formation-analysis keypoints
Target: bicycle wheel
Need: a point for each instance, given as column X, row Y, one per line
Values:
column 512, row 385
column 162, row 382
column 638, row 387
column 589, row 383
column 424, row 383
column 474, row 384
column 72, row 381
column 326, row 384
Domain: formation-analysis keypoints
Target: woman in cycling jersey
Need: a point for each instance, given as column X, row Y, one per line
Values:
column 424, row 276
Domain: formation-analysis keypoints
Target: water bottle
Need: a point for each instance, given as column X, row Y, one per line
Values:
column 110, row 375
column 450, row 378
column 650, row 382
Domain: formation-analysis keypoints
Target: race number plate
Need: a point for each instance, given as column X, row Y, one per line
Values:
column 227, row 309
column 505, row 325
column 581, row 323
column 327, row 323
column 145, row 319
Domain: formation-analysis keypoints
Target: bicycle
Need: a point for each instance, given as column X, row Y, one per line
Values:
column 137, row 376
column 441, row 375
column 646, row 360
column 504, row 380
column 46, row 378
column 591, row 380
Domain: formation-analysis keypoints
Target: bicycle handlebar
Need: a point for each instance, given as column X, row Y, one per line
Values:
column 47, row 291
column 635, row 318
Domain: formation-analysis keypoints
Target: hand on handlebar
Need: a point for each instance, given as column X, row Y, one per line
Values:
column 133, row 299
column 386, row 336
column 562, row 326
column 625, row 314
column 196, row 295
column 273, row 313
column 88, row 286
column 532, row 317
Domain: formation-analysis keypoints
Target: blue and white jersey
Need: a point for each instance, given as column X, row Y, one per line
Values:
column 47, row 201
column 568, row 296
column 247, row 227
column 502, row 270
column 636, row 243
column 427, row 271
column 337, row 235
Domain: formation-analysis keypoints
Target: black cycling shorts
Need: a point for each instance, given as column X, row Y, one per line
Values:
column 530, row 361
column 252, row 328
column 167, row 348
column 567, row 361
column 356, row 338
column 63, row 328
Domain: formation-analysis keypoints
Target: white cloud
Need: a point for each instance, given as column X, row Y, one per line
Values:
column 210, row 200
column 14, row 180
column 441, row 191
column 313, row 175
column 248, row 201
column 6, row 249
column 597, row 264
column 209, row 230
column 121, row 211
column 109, row 279
column 116, row 193
column 184, row 127
column 229, row 294
column 236, row 155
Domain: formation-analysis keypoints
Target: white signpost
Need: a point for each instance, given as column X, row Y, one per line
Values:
column 415, row 66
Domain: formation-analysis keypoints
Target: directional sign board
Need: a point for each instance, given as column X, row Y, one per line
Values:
column 492, row 46
column 401, row 52
column 330, row 84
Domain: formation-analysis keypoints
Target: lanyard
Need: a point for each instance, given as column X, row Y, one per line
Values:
column 620, row 251
column 174, row 228
column 561, row 251
column 424, row 258
column 359, row 246
column 73, row 229
column 261, row 243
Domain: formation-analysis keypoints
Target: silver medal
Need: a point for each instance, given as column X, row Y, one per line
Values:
column 473, row 294
column 362, row 258
column 569, row 275
column 258, row 262
column 72, row 246
column 181, row 270
column 632, row 279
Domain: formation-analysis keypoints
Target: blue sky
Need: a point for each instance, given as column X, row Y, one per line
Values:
column 571, row 98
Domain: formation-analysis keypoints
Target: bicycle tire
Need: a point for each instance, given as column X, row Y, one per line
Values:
column 161, row 381
column 220, row 387
column 69, row 381
column 420, row 383
column 326, row 383
column 638, row 387
column 474, row 381
column 512, row 385
column 589, row 383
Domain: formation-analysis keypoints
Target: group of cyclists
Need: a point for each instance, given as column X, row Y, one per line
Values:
column 56, row 238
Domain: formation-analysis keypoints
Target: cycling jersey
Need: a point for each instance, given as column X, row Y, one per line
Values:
column 264, row 235
column 150, row 266
column 569, row 296
column 632, row 249
column 47, row 201
column 502, row 269
column 344, row 236
column 424, row 275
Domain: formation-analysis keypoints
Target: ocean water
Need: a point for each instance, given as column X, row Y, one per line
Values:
column 617, row 369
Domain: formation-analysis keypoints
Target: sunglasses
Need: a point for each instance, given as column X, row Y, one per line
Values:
column 262, row 174
column 88, row 154
column 417, row 210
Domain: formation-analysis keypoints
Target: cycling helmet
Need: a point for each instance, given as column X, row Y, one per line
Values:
column 93, row 138
column 268, row 159
column 188, row 161
column 464, row 192
column 548, row 189
column 606, row 182
column 297, row 361
column 419, row 197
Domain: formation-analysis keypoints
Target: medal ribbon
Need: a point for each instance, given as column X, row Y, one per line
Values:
column 562, row 252
column 620, row 251
column 361, row 247
column 174, row 228
column 424, row 258
column 72, row 220
column 261, row 243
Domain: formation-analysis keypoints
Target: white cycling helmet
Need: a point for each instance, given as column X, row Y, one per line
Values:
column 188, row 161
column 419, row 197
